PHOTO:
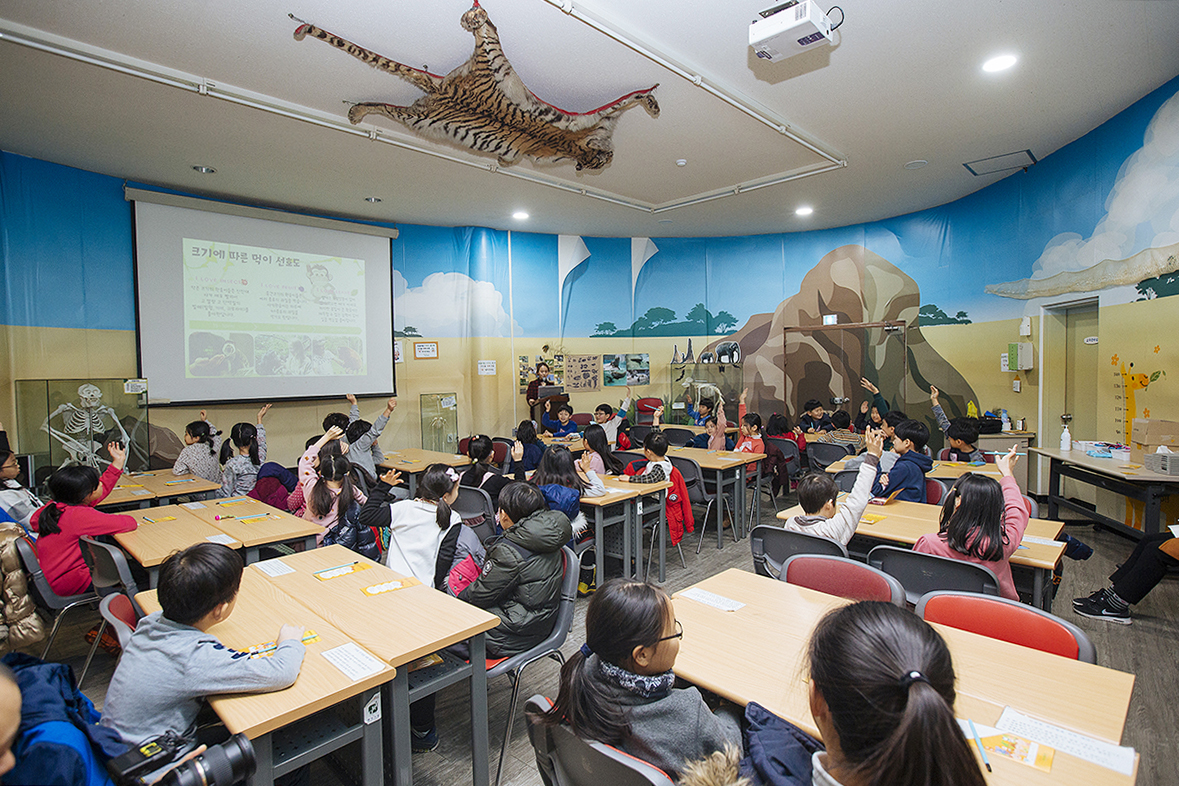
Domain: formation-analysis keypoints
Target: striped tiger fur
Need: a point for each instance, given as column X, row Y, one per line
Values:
column 485, row 106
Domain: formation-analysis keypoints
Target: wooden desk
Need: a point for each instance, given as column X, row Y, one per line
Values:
column 265, row 525
column 697, row 429
column 628, row 497
column 758, row 653
column 399, row 627
column 260, row 610
column 722, row 463
column 153, row 541
column 1113, row 475
column 944, row 470
column 155, row 488
column 575, row 444
column 906, row 522
column 413, row 462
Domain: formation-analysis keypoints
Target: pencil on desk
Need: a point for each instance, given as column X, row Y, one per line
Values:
column 1000, row 453
column 978, row 742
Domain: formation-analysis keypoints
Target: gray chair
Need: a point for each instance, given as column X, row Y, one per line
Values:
column 846, row 478
column 697, row 493
column 1007, row 620
column 108, row 570
column 638, row 433
column 677, row 436
column 564, row 759
column 43, row 595
column 1033, row 507
column 627, row 456
column 823, row 454
column 789, row 450
column 549, row 648
column 843, row 577
column 121, row 615
column 772, row 546
column 472, row 503
column 922, row 573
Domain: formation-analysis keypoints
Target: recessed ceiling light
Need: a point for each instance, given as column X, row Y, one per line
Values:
column 999, row 63
column 374, row 200
column 916, row 164
column 205, row 170
column 666, row 221
column 519, row 215
column 805, row 210
column 681, row 162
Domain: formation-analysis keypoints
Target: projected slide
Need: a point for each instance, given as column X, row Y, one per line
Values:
column 264, row 312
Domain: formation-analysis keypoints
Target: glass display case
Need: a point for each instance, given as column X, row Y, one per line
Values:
column 70, row 421
column 701, row 380
column 439, row 422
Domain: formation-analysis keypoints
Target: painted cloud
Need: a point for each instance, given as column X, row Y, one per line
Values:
column 450, row 305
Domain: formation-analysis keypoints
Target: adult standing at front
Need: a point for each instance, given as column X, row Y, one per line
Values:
column 533, row 393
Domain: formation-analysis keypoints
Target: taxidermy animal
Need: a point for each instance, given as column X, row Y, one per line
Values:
column 484, row 105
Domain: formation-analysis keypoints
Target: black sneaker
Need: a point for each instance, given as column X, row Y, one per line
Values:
column 1093, row 597
column 1100, row 609
column 423, row 741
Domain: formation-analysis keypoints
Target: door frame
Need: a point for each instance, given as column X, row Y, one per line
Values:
column 1046, row 433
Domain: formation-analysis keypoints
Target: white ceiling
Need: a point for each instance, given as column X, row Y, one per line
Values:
column 904, row 82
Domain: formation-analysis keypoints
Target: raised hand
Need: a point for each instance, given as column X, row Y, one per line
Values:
column 743, row 394
column 335, row 432
column 518, row 451
column 933, row 394
column 118, row 454
column 548, row 406
column 1007, row 461
column 204, row 416
column 863, row 407
column 868, row 386
column 262, row 412
column 392, row 477
column 351, row 399
column 874, row 441
column 390, row 405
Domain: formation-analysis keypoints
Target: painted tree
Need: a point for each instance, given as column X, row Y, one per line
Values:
column 605, row 329
column 659, row 315
column 724, row 321
column 699, row 314
column 410, row 330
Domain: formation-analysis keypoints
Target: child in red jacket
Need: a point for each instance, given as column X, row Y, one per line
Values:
column 75, row 492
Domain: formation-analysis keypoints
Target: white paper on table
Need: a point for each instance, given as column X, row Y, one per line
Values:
column 220, row 537
column 1115, row 757
column 193, row 505
column 711, row 599
column 274, row 567
column 352, row 661
column 1174, row 530
column 1039, row 541
column 139, row 492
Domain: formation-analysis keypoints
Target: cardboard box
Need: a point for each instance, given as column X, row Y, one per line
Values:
column 1138, row 451
column 1151, row 431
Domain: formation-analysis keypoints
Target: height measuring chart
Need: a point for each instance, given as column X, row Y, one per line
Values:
column 265, row 312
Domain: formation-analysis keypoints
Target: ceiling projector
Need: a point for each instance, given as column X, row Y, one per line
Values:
column 787, row 29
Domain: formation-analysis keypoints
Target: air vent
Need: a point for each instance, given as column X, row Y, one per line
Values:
column 1008, row 162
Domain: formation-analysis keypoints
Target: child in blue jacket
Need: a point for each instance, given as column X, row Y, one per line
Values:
column 908, row 472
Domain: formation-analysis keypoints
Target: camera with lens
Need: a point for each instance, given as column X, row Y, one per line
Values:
column 220, row 765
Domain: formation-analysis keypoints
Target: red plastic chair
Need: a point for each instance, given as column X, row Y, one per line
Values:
column 463, row 445
column 934, row 491
column 645, row 409
column 842, row 577
column 1007, row 620
column 118, row 612
column 499, row 453
column 582, row 419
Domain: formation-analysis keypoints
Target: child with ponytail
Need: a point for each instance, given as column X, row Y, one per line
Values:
column 327, row 484
column 241, row 467
column 199, row 456
column 618, row 688
column 75, row 491
column 416, row 526
column 882, row 696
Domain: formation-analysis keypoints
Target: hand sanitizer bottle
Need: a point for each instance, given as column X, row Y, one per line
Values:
column 1066, row 439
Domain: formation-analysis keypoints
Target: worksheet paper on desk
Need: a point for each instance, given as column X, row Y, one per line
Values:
column 711, row 599
column 221, row 538
column 274, row 567
column 1106, row 754
column 1038, row 540
column 194, row 505
column 352, row 661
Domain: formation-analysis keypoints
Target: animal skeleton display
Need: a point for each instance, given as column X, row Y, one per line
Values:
column 485, row 106
column 81, row 423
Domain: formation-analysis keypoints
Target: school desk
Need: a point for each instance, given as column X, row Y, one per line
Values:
column 942, row 470
column 731, row 470
column 161, row 531
column 1121, row 477
column 399, row 627
column 575, row 443
column 412, row 462
column 621, row 505
column 256, row 524
column 155, row 488
column 732, row 429
column 905, row 522
column 758, row 653
column 283, row 725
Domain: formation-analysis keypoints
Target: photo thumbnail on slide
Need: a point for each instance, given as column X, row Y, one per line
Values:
column 262, row 312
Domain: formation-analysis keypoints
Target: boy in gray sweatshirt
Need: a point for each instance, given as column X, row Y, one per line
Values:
column 172, row 663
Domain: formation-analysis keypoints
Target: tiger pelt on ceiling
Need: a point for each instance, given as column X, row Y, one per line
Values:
column 485, row 106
